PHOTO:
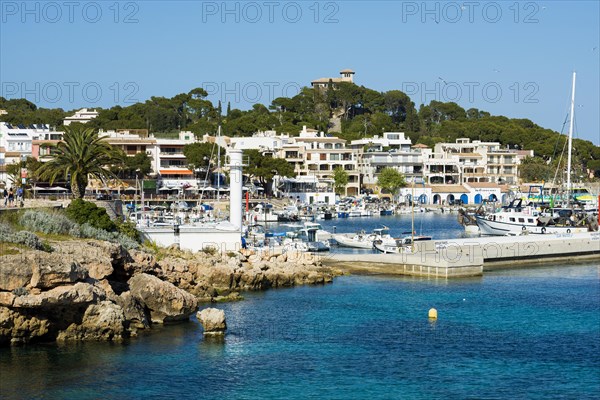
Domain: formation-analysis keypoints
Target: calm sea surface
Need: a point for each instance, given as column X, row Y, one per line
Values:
column 526, row 333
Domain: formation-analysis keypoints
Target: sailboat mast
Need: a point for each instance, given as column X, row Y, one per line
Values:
column 412, row 232
column 218, row 162
column 570, row 140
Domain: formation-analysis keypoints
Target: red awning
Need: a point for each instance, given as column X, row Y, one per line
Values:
column 176, row 172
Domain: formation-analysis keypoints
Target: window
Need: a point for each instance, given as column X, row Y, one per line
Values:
column 511, row 219
column 521, row 219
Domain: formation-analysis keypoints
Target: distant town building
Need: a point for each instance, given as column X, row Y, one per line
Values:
column 82, row 116
column 316, row 154
column 267, row 142
column 393, row 150
column 346, row 75
column 479, row 161
column 168, row 162
column 17, row 142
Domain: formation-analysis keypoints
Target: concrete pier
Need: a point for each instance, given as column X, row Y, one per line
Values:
column 472, row 256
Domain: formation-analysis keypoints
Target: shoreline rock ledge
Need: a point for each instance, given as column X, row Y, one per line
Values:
column 213, row 321
column 96, row 290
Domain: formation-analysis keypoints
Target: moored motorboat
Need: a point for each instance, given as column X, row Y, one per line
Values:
column 398, row 245
column 362, row 240
column 517, row 218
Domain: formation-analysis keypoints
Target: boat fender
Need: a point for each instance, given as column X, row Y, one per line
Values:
column 523, row 228
column 543, row 230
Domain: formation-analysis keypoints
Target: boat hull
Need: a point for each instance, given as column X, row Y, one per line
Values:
column 496, row 228
column 345, row 241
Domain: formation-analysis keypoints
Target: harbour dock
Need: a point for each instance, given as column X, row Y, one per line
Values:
column 471, row 256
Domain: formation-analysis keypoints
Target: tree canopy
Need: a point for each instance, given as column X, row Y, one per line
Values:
column 362, row 112
column 264, row 168
column 391, row 180
column 340, row 180
column 81, row 154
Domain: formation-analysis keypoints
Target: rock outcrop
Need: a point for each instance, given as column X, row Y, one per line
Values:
column 213, row 321
column 165, row 301
column 94, row 290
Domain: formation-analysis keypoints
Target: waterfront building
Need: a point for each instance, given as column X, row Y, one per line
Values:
column 169, row 165
column 317, row 154
column 479, row 161
column 392, row 150
column 17, row 143
column 440, row 168
column 305, row 189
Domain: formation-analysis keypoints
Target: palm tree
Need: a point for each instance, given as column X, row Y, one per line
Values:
column 80, row 154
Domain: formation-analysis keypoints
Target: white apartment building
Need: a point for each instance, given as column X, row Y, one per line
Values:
column 316, row 154
column 481, row 161
column 82, row 116
column 393, row 150
column 439, row 168
column 16, row 142
column 168, row 161
column 267, row 142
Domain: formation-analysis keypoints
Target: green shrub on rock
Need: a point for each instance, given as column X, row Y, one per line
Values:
column 128, row 229
column 24, row 238
column 58, row 224
column 54, row 223
column 85, row 212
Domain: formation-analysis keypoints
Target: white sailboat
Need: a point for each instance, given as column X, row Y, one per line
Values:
column 517, row 219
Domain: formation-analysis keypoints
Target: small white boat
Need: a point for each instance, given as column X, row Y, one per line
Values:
column 263, row 212
column 400, row 245
column 362, row 240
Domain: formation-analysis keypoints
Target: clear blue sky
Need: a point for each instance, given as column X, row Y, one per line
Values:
column 508, row 58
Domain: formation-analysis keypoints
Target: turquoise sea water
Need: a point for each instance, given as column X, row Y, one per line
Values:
column 527, row 333
column 522, row 333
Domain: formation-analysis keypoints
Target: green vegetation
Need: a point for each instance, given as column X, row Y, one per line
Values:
column 210, row 250
column 362, row 112
column 264, row 168
column 202, row 155
column 391, row 180
column 535, row 169
column 340, row 180
column 83, row 212
column 9, row 235
column 81, row 154
column 57, row 223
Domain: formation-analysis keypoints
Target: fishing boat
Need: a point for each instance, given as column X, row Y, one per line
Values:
column 517, row 219
column 362, row 240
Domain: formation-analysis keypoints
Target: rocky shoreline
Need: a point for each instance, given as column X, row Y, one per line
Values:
column 95, row 290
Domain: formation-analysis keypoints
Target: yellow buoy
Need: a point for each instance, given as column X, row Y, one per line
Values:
column 433, row 313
